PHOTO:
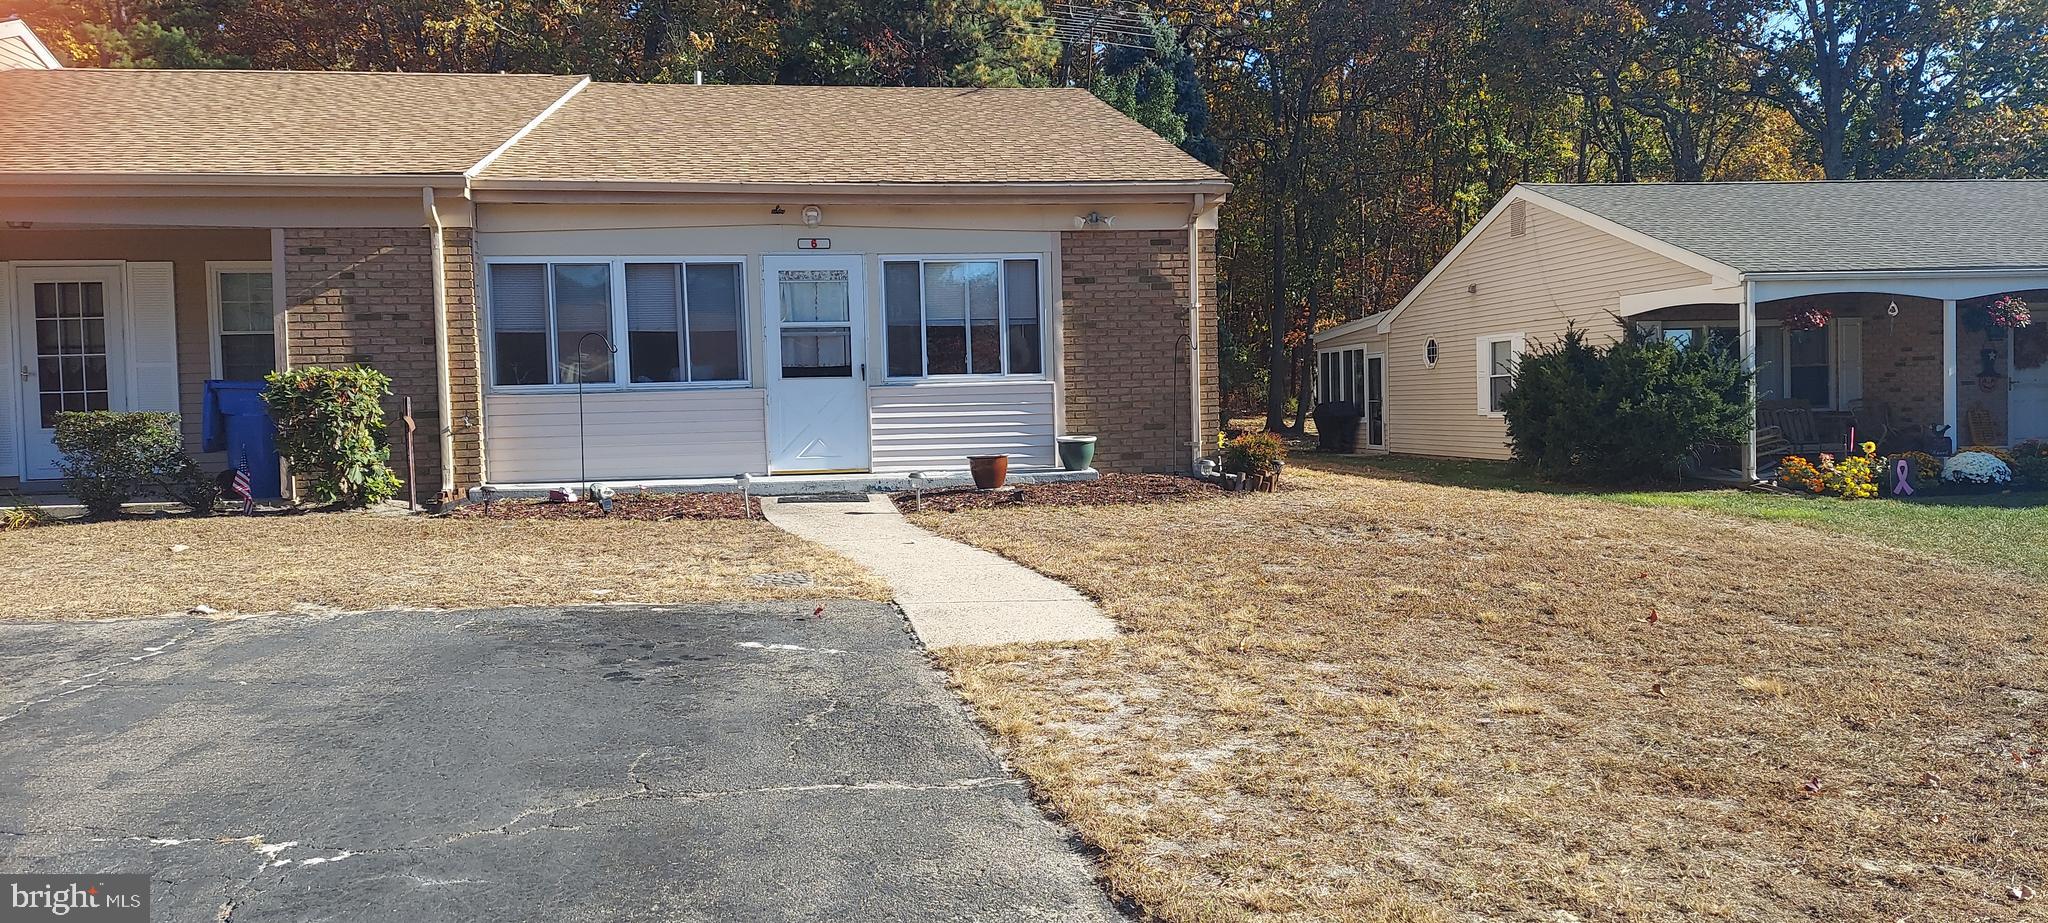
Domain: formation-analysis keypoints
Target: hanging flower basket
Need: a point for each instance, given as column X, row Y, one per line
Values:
column 1808, row 318
column 2011, row 312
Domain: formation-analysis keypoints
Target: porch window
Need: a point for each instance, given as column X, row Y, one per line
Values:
column 1341, row 376
column 963, row 317
column 683, row 322
column 244, row 322
column 616, row 322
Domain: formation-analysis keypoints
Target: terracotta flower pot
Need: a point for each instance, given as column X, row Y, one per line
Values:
column 990, row 471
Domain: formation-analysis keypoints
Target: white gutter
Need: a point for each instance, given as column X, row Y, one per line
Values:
column 1197, row 438
column 444, row 390
column 348, row 180
column 1175, row 189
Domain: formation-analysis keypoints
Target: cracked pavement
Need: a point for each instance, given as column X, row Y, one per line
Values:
column 683, row 763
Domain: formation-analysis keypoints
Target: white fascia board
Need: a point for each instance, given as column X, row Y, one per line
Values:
column 545, row 190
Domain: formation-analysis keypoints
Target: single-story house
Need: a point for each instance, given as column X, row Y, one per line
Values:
column 579, row 280
column 1901, row 273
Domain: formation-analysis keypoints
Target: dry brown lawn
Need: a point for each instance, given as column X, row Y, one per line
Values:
column 364, row 561
column 1374, row 700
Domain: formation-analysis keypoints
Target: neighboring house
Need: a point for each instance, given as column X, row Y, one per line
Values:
column 644, row 282
column 1905, row 267
column 20, row 48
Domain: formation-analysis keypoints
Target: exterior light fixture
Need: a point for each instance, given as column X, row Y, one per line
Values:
column 1094, row 220
column 813, row 215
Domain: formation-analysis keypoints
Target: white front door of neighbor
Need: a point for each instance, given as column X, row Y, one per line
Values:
column 817, row 365
column 69, row 352
column 2029, row 396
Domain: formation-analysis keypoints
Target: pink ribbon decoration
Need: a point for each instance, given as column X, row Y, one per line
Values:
column 1902, row 478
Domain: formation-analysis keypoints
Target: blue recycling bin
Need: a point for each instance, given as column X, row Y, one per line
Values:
column 238, row 423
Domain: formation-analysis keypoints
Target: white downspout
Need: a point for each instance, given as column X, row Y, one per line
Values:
column 444, row 391
column 1197, row 439
column 1746, row 322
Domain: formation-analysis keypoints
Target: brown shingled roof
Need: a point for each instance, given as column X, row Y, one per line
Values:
column 796, row 134
column 261, row 122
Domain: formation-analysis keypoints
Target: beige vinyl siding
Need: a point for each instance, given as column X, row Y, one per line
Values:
column 1560, row 271
column 531, row 438
column 936, row 425
column 15, row 53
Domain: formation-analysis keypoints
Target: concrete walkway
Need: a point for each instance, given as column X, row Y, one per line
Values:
column 955, row 594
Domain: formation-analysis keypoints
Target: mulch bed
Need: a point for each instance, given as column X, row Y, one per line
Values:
column 643, row 507
column 1110, row 489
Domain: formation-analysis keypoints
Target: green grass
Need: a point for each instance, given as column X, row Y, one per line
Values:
column 2004, row 531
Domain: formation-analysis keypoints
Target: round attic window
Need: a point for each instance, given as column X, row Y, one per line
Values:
column 1429, row 353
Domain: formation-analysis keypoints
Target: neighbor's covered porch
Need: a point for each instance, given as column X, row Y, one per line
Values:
column 1909, row 361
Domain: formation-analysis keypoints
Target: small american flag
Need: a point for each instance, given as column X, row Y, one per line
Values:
column 240, row 488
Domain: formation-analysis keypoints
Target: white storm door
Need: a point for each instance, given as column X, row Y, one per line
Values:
column 2028, row 407
column 817, row 366
column 70, row 353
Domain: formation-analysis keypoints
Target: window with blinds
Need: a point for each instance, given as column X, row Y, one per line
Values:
column 963, row 317
column 666, row 323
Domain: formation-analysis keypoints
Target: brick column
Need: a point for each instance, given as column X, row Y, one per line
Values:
column 1125, row 334
column 465, row 357
column 365, row 296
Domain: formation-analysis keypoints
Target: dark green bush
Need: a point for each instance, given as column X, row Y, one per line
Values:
column 111, row 458
column 2030, row 464
column 330, row 427
column 1633, row 410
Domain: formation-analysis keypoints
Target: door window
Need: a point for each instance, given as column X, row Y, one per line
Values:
column 817, row 322
column 71, row 347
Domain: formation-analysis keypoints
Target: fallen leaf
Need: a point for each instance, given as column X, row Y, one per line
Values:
column 1657, row 689
column 1652, row 619
column 817, row 612
column 2020, row 892
column 1811, row 786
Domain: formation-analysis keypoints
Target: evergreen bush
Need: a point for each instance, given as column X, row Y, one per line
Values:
column 1633, row 410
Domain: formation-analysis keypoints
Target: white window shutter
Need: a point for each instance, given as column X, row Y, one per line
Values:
column 1848, row 360
column 10, row 402
column 151, row 326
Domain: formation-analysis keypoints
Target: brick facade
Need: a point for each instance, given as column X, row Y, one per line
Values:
column 1124, row 335
column 365, row 295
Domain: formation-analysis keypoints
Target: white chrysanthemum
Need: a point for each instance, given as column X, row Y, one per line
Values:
column 1976, row 468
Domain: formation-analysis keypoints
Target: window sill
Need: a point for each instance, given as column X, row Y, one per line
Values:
column 957, row 381
column 648, row 388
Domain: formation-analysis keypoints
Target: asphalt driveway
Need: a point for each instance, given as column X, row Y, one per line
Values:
column 689, row 763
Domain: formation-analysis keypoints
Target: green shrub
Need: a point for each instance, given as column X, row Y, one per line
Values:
column 1631, row 411
column 330, row 427
column 110, row 458
column 1254, row 453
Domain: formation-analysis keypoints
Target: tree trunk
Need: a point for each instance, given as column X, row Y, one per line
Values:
column 1280, row 320
column 1304, row 390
